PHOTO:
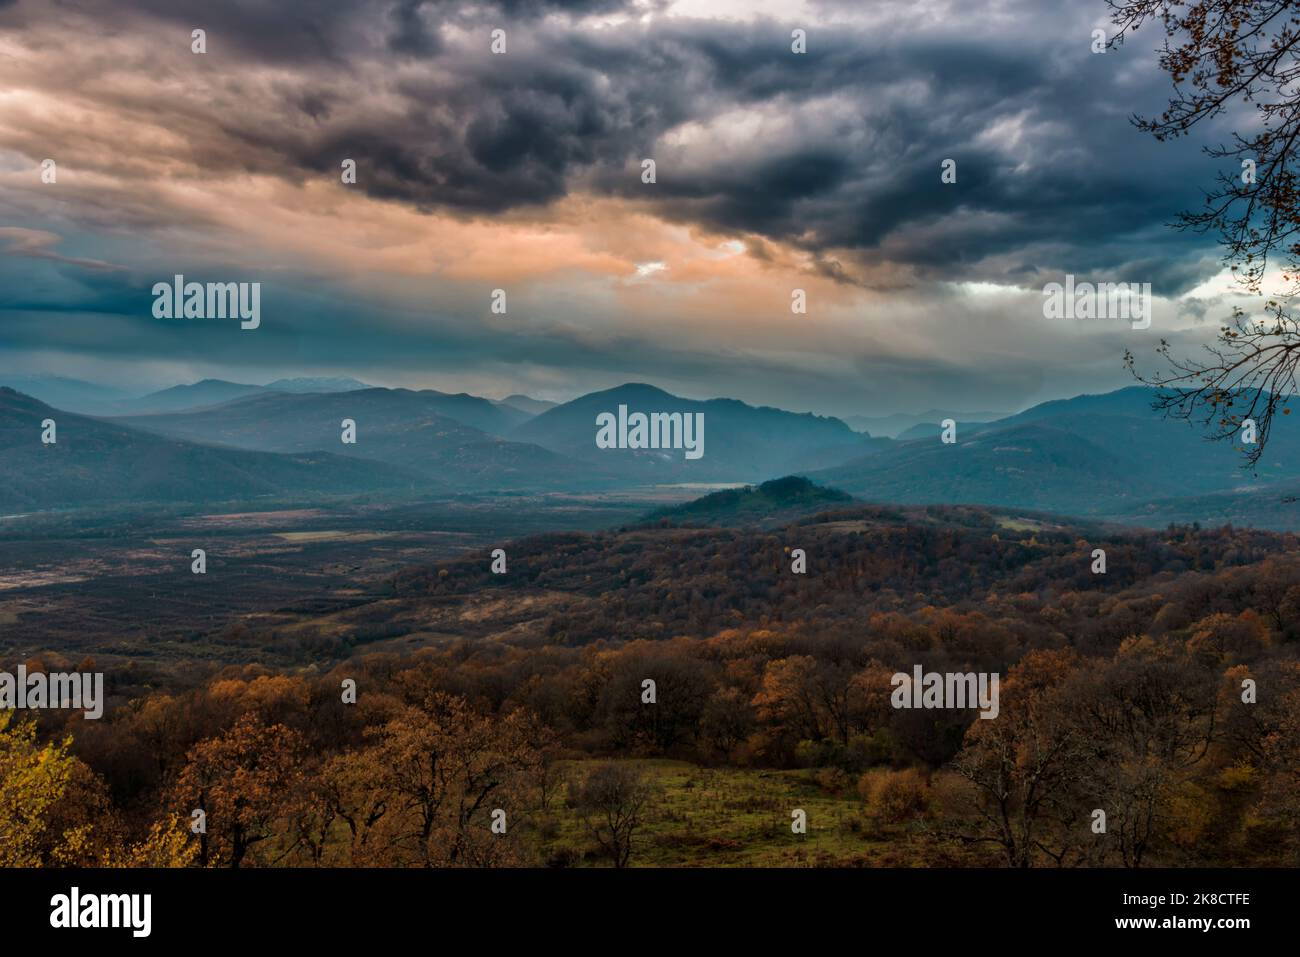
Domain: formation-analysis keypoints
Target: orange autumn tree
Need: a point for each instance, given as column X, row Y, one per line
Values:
column 1022, row 767
column 425, row 792
column 246, row 781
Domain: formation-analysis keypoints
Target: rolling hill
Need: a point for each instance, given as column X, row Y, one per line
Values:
column 780, row 500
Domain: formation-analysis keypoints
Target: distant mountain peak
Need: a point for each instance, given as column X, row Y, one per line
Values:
column 527, row 404
column 318, row 384
column 638, row 390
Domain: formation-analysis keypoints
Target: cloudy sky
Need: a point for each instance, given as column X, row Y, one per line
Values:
column 522, row 171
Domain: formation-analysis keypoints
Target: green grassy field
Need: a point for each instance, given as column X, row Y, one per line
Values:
column 728, row 817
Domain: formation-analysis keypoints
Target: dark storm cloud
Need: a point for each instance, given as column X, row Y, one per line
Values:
column 849, row 157
column 319, row 30
column 782, row 167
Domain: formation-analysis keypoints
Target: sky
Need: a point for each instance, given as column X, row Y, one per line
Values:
column 522, row 171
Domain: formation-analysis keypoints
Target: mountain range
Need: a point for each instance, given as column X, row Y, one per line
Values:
column 1106, row 455
column 76, row 395
column 455, row 439
column 1103, row 457
column 93, row 462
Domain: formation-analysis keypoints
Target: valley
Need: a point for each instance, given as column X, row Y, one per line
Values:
column 117, row 584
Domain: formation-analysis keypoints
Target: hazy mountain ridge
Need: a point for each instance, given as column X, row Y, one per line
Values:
column 527, row 404
column 89, row 398
column 317, row 384
column 205, row 392
column 62, row 392
column 1108, row 455
column 93, row 462
column 404, row 428
column 741, row 442
column 896, row 425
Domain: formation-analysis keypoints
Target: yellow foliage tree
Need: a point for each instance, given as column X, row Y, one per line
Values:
column 168, row 844
column 32, row 781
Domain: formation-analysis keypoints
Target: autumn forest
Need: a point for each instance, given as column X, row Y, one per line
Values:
column 513, row 727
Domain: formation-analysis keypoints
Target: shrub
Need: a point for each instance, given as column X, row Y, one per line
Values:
column 831, row 780
column 895, row 796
